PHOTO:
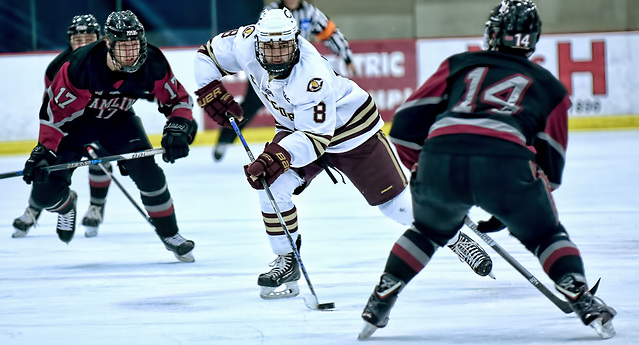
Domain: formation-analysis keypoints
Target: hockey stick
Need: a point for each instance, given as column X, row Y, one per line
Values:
column 94, row 156
column 121, row 157
column 188, row 257
column 314, row 303
column 11, row 174
column 561, row 304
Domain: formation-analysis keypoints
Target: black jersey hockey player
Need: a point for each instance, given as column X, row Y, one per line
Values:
column 91, row 99
column 84, row 29
column 488, row 129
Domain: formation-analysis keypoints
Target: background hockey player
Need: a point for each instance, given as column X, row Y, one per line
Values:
column 84, row 29
column 312, row 24
column 91, row 99
column 473, row 128
column 322, row 119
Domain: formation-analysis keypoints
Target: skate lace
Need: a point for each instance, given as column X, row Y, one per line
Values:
column 280, row 265
column 469, row 252
column 174, row 240
column 94, row 213
column 66, row 221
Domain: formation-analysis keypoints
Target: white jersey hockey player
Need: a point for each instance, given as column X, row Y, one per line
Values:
column 322, row 120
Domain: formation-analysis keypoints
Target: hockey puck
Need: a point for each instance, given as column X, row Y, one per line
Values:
column 326, row 306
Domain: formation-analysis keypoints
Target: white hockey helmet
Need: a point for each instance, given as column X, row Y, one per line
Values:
column 277, row 25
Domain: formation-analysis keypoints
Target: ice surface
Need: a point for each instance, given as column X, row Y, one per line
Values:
column 123, row 287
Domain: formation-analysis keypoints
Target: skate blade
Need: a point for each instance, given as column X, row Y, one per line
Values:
column 188, row 257
column 19, row 233
column 605, row 330
column 367, row 331
column 91, row 231
column 291, row 289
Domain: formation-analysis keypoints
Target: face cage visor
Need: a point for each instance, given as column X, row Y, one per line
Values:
column 128, row 55
column 277, row 57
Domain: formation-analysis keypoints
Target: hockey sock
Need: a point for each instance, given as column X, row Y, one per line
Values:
column 275, row 231
column 558, row 256
column 99, row 183
column 410, row 254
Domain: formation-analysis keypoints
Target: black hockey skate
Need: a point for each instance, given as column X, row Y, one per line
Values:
column 181, row 247
column 592, row 310
column 380, row 303
column 285, row 271
column 92, row 220
column 473, row 254
column 66, row 221
column 23, row 223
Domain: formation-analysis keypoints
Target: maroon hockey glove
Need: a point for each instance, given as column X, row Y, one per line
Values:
column 40, row 158
column 216, row 102
column 491, row 225
column 270, row 164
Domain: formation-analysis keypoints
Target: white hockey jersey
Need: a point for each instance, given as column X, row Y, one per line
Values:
column 324, row 111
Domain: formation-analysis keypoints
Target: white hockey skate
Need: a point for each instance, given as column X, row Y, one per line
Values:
column 281, row 280
column 92, row 220
column 22, row 224
column 181, row 247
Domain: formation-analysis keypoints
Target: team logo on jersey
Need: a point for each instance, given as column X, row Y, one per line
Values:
column 248, row 31
column 315, row 85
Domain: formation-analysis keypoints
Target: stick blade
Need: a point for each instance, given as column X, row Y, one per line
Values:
column 312, row 303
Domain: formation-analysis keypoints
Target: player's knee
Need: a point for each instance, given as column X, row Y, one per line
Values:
column 400, row 208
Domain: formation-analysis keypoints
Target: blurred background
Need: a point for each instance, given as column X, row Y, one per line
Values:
column 39, row 25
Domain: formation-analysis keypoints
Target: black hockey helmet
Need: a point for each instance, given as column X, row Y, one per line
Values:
column 125, row 26
column 513, row 26
column 84, row 24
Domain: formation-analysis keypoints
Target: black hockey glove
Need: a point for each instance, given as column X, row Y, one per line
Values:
column 40, row 157
column 491, row 225
column 177, row 135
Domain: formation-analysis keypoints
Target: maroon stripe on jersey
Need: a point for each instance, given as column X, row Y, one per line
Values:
column 357, row 124
column 407, row 155
column 406, row 256
column 49, row 136
column 170, row 93
column 164, row 213
column 470, row 129
column 557, row 123
column 435, row 85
